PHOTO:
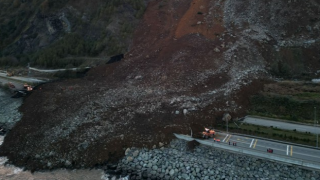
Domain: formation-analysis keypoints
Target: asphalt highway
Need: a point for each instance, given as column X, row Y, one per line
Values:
column 17, row 81
column 279, row 148
column 17, row 84
column 282, row 125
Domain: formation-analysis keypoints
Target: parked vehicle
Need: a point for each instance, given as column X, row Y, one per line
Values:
column 269, row 150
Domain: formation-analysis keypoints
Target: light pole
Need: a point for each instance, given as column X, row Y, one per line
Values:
column 227, row 124
column 28, row 69
column 315, row 120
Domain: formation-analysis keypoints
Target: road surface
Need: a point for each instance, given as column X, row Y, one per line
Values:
column 282, row 151
column 282, row 125
column 279, row 148
column 18, row 81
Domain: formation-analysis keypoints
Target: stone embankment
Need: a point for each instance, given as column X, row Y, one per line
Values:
column 187, row 160
column 9, row 113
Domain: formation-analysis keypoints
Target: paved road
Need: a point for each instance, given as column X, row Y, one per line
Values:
column 18, row 81
column 4, row 77
column 279, row 148
column 282, row 125
column 18, row 85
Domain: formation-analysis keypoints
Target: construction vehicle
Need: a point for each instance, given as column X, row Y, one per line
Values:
column 27, row 87
column 208, row 132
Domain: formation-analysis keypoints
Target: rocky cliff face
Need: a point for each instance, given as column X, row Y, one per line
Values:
column 190, row 62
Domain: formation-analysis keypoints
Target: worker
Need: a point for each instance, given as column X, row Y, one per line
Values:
column 229, row 142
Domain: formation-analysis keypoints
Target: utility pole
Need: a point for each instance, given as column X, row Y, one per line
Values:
column 28, row 69
column 315, row 120
column 227, row 124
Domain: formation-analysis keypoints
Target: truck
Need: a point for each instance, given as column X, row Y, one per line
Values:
column 208, row 133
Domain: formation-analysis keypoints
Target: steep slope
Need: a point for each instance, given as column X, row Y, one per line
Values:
column 54, row 33
column 190, row 62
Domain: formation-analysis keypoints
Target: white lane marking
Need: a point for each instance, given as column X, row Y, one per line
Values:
column 251, row 143
column 287, row 150
column 225, row 138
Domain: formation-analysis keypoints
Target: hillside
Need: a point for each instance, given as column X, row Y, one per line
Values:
column 55, row 33
column 189, row 63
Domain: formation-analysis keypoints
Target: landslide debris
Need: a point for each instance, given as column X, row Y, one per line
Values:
column 176, row 77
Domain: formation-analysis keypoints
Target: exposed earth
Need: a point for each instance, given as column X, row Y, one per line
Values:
column 190, row 62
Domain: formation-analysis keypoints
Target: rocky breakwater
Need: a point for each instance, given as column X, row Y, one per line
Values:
column 184, row 160
column 9, row 113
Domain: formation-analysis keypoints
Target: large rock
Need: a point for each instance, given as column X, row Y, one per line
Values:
column 171, row 172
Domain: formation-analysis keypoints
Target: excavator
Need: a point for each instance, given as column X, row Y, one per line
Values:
column 208, row 133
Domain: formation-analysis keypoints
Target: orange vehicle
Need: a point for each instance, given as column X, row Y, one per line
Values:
column 11, row 85
column 208, row 133
column 27, row 87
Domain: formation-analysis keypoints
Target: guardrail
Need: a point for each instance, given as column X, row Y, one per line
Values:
column 56, row 70
column 260, row 154
column 279, row 120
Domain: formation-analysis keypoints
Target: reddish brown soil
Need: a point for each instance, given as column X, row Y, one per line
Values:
column 194, row 21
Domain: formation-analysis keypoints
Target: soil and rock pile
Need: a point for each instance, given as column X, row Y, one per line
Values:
column 190, row 62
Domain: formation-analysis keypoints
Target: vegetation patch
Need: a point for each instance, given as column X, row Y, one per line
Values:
column 293, row 101
column 35, row 31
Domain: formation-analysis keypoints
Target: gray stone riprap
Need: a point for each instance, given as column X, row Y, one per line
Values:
column 175, row 162
column 9, row 113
